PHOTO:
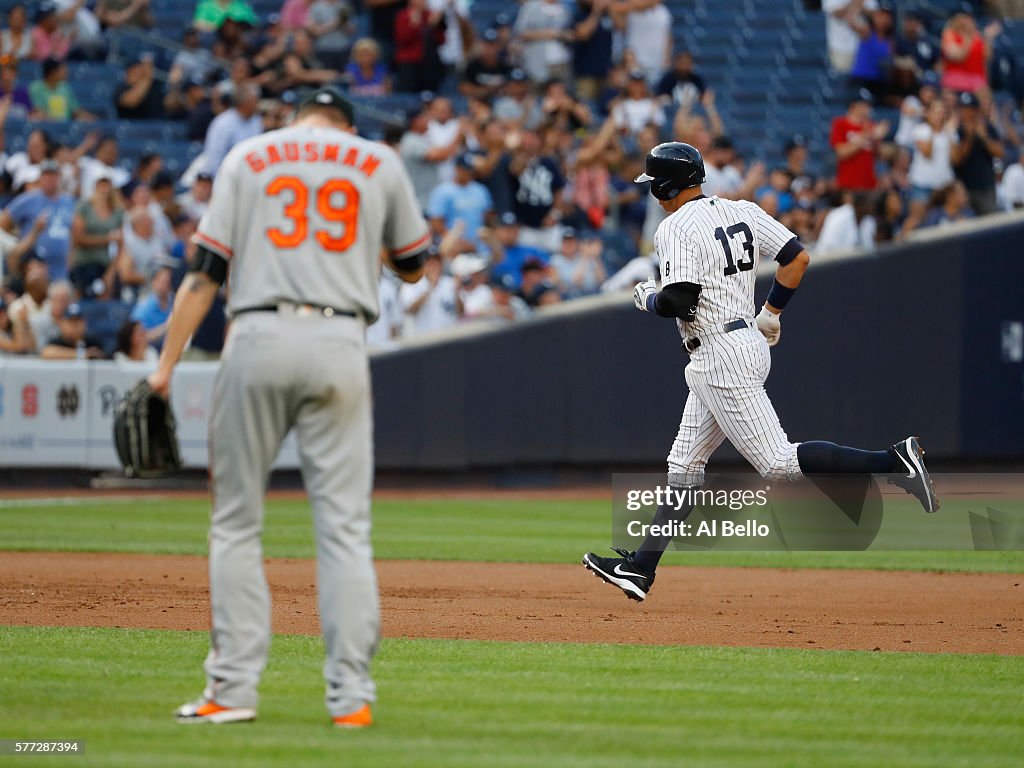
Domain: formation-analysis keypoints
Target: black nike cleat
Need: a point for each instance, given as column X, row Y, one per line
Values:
column 916, row 481
column 621, row 572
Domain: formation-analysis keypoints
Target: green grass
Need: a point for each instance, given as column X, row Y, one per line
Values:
column 554, row 531
column 459, row 703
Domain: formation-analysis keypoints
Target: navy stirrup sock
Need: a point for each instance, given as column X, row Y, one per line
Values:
column 649, row 554
column 819, row 457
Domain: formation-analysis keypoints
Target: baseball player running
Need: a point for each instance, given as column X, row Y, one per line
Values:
column 300, row 214
column 708, row 249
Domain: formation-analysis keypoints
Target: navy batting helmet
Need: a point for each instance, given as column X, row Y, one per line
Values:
column 671, row 168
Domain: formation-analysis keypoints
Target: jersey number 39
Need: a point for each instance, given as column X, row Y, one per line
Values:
column 328, row 197
column 746, row 262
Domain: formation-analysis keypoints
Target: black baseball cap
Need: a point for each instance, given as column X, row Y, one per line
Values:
column 332, row 98
column 74, row 312
column 517, row 76
column 794, row 142
column 968, row 99
column 722, row 142
column 863, row 95
column 490, row 35
column 508, row 219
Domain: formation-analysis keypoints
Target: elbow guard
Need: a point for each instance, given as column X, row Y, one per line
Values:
column 678, row 300
column 210, row 263
column 410, row 263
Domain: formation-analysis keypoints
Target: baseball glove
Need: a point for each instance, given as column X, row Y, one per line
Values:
column 145, row 433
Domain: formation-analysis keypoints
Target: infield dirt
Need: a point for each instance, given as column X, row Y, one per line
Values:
column 828, row 609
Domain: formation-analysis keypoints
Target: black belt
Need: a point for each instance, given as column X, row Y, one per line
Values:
column 319, row 308
column 733, row 325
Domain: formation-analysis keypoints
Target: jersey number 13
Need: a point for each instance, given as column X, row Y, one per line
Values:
column 297, row 212
column 746, row 262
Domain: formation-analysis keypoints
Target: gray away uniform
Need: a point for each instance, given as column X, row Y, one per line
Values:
column 301, row 215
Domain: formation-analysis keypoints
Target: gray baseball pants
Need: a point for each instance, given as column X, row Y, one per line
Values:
column 280, row 371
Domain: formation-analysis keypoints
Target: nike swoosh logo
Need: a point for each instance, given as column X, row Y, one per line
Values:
column 619, row 572
column 910, row 469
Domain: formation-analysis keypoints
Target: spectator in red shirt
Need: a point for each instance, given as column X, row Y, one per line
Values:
column 965, row 53
column 419, row 32
column 855, row 139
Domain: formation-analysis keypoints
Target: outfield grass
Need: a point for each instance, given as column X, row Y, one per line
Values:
column 553, row 531
column 459, row 703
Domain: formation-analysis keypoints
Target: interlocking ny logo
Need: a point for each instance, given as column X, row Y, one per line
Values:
column 67, row 401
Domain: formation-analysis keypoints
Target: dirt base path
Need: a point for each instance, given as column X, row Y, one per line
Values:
column 858, row 610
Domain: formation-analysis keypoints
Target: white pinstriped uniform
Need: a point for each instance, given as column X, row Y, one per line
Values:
column 717, row 244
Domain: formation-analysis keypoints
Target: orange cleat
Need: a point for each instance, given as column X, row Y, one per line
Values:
column 361, row 718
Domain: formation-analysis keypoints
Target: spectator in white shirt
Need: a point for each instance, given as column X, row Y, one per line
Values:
column 848, row 227
column 542, row 26
column 637, row 109
column 648, row 34
column 1012, row 186
column 723, row 177
column 388, row 326
column 433, row 303
column 844, row 21
column 931, row 168
column 102, row 164
column 196, row 200
column 443, row 130
column 232, row 126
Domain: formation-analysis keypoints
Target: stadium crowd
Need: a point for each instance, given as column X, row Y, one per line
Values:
column 522, row 144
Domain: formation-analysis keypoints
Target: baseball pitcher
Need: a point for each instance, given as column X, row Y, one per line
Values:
column 708, row 250
column 300, row 216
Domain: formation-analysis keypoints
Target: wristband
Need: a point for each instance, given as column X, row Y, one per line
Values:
column 651, row 301
column 779, row 295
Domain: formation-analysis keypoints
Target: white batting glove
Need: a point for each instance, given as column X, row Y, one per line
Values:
column 770, row 325
column 642, row 291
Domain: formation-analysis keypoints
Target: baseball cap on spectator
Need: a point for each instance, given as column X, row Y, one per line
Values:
column 589, row 234
column 517, row 76
column 637, row 74
column 930, row 78
column 503, row 20
column 74, row 312
column 465, row 160
column 968, row 100
column 490, row 35
column 45, row 9
column 862, row 95
column 507, row 219
column 532, row 264
column 468, row 264
column 289, row 97
column 427, row 96
column 272, row 20
column 204, row 176
column 162, row 178
column 794, row 142
column 49, row 166
column 568, row 233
